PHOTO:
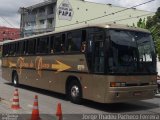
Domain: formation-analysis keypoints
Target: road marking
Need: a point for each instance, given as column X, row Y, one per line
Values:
column 29, row 105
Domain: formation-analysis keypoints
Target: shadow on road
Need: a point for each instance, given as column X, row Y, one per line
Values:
column 112, row 108
column 122, row 107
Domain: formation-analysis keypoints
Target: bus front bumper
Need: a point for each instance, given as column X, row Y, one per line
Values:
column 126, row 94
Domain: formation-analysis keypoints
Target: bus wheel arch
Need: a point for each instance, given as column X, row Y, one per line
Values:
column 15, row 80
column 74, row 89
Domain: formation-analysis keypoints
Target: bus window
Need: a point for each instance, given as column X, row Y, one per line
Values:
column 21, row 50
column 12, row 49
column 23, row 47
column 30, row 47
column 84, row 42
column 52, row 45
column 59, row 44
column 6, row 49
column 95, row 52
column 42, row 45
column 74, row 41
column 18, row 48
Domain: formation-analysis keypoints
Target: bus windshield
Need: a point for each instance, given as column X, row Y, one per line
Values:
column 131, row 52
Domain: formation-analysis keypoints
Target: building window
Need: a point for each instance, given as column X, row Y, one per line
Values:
column 50, row 23
column 50, row 10
column 42, row 10
column 42, row 22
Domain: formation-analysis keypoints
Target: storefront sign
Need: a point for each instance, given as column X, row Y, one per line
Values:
column 65, row 11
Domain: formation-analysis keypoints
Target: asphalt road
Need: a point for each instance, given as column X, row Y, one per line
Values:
column 87, row 111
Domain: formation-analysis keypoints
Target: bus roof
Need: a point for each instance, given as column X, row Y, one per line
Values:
column 105, row 25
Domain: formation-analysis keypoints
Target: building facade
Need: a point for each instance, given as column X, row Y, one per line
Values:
column 61, row 14
column 7, row 33
column 38, row 18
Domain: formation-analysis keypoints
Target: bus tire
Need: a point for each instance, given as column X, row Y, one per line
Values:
column 15, row 81
column 75, row 92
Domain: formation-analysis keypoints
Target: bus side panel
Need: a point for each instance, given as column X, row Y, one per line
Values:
column 41, row 74
column 6, row 74
column 6, row 71
column 94, row 87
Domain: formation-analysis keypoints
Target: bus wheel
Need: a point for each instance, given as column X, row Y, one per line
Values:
column 15, row 79
column 75, row 92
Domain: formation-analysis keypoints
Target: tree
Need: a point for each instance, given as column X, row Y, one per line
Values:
column 141, row 23
column 153, row 24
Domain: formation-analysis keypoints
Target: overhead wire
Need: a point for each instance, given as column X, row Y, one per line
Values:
column 139, row 16
column 7, row 22
column 107, row 14
column 92, row 18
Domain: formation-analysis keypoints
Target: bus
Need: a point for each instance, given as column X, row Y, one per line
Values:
column 1, row 43
column 105, row 63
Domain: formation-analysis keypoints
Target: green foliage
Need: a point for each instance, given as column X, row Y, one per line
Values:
column 158, row 48
column 141, row 23
column 153, row 24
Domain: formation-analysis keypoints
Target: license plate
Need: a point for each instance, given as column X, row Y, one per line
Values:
column 137, row 93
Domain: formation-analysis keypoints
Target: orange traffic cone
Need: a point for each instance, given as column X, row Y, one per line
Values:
column 35, row 110
column 15, row 102
column 59, row 112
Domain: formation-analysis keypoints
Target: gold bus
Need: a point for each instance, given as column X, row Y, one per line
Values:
column 106, row 63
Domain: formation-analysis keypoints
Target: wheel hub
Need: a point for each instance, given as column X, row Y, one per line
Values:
column 75, row 91
column 15, row 81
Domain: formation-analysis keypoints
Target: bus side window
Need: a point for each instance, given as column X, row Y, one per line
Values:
column 12, row 49
column 31, row 47
column 84, row 43
column 6, row 50
column 63, row 43
column 18, row 48
column 26, row 47
column 22, row 48
column 52, row 45
column 74, row 41
column 59, row 44
column 42, row 45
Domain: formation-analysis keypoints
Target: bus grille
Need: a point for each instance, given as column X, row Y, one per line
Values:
column 136, row 84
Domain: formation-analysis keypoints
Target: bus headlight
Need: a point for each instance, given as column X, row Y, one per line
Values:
column 117, row 84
